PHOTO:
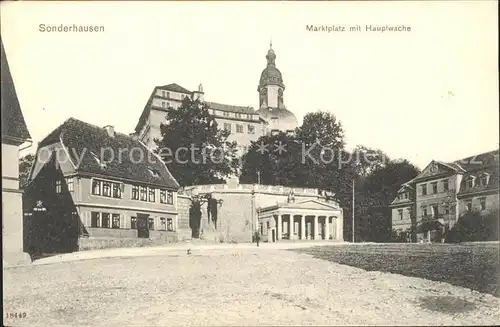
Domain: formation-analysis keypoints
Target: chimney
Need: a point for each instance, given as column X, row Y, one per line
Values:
column 110, row 130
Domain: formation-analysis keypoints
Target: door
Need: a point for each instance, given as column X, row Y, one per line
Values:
column 142, row 225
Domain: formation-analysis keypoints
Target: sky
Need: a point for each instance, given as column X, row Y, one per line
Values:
column 430, row 93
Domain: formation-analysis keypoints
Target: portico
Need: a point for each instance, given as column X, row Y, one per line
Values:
column 305, row 220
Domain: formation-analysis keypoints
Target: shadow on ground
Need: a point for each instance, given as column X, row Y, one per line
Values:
column 446, row 304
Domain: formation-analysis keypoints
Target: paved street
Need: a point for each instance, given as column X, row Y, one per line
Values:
column 230, row 285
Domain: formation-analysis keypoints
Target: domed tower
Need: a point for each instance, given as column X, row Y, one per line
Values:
column 271, row 104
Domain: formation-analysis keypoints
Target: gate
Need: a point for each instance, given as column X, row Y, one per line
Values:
column 142, row 225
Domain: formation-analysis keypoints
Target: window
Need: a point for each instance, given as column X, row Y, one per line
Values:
column 446, row 187
column 96, row 187
column 170, row 197
column 170, row 224
column 469, row 205
column 239, row 128
column 163, row 104
column 95, row 219
column 424, row 189
column 238, row 115
column 470, row 182
column 155, row 173
column 152, row 192
column 225, row 114
column 446, row 211
column 249, row 116
column 168, row 104
column 435, row 211
column 151, row 224
column 163, row 224
column 484, row 179
column 227, row 127
column 406, row 195
column 116, row 220
column 400, row 213
column 434, row 187
column 58, row 186
column 69, row 184
column 135, row 192
column 424, row 211
column 251, row 129
column 105, row 220
column 106, row 189
column 163, row 94
column 163, row 196
column 117, row 191
column 482, row 202
column 144, row 193
column 133, row 222
column 168, row 95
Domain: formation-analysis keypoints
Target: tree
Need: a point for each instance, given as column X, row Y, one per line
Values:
column 276, row 159
column 310, row 158
column 378, row 190
column 194, row 148
column 366, row 160
column 25, row 164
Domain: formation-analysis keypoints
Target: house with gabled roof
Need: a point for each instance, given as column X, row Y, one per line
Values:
column 14, row 134
column 90, row 182
column 433, row 201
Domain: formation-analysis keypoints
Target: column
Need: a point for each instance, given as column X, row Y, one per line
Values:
column 302, row 227
column 315, row 230
column 327, row 228
column 290, row 226
column 279, row 227
column 339, row 221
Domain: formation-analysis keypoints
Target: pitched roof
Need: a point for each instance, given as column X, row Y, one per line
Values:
column 13, row 124
column 124, row 157
column 478, row 161
column 230, row 108
column 174, row 88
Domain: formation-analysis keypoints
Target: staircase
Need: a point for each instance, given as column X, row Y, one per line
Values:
column 209, row 234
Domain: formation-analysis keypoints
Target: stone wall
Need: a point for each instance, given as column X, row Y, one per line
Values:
column 237, row 216
column 183, row 229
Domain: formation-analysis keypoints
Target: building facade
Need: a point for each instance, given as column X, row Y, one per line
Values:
column 92, row 184
column 14, row 134
column 243, row 122
column 443, row 192
column 246, row 208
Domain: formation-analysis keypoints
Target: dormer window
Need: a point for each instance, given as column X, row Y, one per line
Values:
column 470, row 181
column 484, row 179
column 155, row 173
column 98, row 160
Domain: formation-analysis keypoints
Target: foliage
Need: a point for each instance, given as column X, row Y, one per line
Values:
column 195, row 149
column 25, row 164
column 474, row 226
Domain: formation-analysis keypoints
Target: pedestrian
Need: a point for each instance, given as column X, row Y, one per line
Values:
column 257, row 237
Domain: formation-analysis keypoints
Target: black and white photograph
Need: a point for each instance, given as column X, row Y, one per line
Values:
column 240, row 163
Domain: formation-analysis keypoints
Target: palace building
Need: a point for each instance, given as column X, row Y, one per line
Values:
column 243, row 122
